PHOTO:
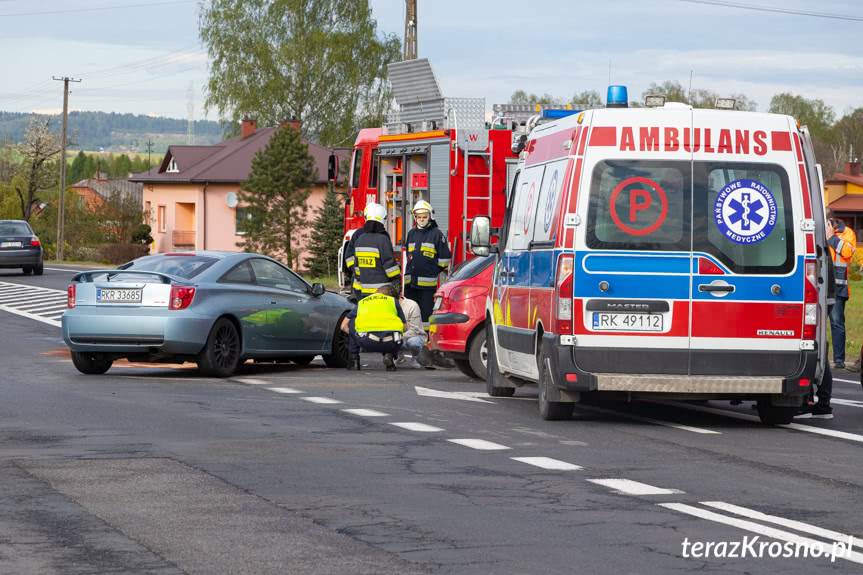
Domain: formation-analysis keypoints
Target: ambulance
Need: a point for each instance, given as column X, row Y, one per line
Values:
column 660, row 252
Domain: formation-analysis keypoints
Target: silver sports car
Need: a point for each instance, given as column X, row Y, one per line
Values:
column 214, row 308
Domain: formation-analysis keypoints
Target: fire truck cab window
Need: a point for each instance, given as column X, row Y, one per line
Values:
column 356, row 168
column 373, row 172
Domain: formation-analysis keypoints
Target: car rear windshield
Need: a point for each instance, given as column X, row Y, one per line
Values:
column 472, row 267
column 15, row 229
column 181, row 266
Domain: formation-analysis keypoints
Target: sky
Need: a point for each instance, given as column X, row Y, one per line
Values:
column 146, row 57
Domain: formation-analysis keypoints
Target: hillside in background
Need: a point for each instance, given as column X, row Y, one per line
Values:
column 119, row 133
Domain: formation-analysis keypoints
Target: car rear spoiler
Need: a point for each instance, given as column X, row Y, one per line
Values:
column 87, row 277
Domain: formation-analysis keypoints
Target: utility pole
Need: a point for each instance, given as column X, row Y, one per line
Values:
column 410, row 51
column 61, row 202
column 149, row 149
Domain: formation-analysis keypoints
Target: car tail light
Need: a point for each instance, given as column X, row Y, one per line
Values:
column 563, row 296
column 464, row 292
column 181, row 297
column 34, row 243
column 810, row 305
column 707, row 267
column 70, row 296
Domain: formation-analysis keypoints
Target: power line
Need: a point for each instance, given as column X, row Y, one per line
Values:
column 96, row 8
column 742, row 6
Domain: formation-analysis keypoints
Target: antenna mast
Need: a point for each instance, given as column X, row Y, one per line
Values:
column 410, row 47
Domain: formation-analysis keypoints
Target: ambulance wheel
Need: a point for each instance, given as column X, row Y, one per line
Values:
column 550, row 410
column 775, row 414
column 463, row 366
column 494, row 378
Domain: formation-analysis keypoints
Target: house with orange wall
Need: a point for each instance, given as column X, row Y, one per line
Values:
column 94, row 192
column 843, row 193
column 191, row 196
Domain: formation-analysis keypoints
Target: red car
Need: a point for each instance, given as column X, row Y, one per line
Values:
column 458, row 322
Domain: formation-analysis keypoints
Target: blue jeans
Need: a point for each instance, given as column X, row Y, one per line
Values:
column 837, row 329
column 413, row 345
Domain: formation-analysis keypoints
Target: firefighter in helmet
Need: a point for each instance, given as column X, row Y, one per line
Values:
column 428, row 255
column 369, row 254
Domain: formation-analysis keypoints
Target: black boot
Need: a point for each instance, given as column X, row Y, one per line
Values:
column 354, row 363
column 389, row 362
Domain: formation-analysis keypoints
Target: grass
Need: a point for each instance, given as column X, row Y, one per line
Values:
column 330, row 282
column 853, row 323
column 81, row 263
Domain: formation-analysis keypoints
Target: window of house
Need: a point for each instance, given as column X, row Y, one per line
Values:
column 172, row 166
column 163, row 223
column 241, row 215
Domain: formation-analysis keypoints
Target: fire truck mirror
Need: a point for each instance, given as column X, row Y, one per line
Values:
column 333, row 168
column 519, row 144
column 480, row 235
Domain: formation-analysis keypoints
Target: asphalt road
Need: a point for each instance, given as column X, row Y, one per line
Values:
column 158, row 470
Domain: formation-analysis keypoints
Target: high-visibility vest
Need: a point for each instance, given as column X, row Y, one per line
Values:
column 841, row 258
column 377, row 312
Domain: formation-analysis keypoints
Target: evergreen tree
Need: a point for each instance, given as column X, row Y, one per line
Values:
column 326, row 237
column 276, row 194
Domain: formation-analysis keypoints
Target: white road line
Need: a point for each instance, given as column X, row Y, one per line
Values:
column 284, row 390
column 846, row 380
column 462, row 395
column 649, row 420
column 366, row 412
column 413, row 426
column 250, row 381
column 75, row 270
column 26, row 297
column 53, row 310
column 629, row 487
column 753, row 527
column 31, row 316
column 712, row 410
column 548, row 463
column 848, row 402
column 480, row 444
column 44, row 306
column 796, row 525
column 321, row 400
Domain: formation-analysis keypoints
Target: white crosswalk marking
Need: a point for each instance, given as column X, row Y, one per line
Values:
column 37, row 303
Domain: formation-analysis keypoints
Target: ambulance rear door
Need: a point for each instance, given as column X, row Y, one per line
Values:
column 633, row 261
column 749, row 249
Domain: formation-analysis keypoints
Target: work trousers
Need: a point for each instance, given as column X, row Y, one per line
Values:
column 373, row 341
column 837, row 329
column 424, row 299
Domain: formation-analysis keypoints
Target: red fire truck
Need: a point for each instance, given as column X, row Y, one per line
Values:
column 438, row 149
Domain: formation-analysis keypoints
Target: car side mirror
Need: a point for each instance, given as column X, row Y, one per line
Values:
column 480, row 235
column 318, row 289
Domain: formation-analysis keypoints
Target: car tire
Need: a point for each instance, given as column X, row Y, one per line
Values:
column 339, row 356
column 775, row 414
column 477, row 354
column 303, row 360
column 221, row 354
column 39, row 269
column 91, row 363
column 495, row 378
column 550, row 410
column 463, row 365
column 27, row 270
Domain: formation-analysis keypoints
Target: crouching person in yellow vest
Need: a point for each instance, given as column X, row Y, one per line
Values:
column 376, row 324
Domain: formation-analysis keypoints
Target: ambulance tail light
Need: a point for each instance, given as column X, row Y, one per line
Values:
column 563, row 296
column 810, row 305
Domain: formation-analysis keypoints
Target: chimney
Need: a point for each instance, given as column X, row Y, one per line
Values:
column 852, row 168
column 247, row 127
column 293, row 122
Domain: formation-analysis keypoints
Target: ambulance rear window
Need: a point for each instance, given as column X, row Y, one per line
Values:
column 743, row 216
column 640, row 205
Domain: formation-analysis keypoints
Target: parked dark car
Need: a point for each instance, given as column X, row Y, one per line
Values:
column 20, row 247
column 217, row 309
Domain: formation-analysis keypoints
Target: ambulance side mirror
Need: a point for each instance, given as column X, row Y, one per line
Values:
column 480, row 235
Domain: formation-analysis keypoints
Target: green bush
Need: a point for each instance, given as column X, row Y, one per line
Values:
column 117, row 254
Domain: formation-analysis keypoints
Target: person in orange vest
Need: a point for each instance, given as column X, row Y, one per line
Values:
column 842, row 243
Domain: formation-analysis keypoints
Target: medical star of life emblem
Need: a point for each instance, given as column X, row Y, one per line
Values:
column 745, row 212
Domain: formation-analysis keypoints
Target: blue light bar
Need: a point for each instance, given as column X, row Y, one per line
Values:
column 617, row 97
column 555, row 114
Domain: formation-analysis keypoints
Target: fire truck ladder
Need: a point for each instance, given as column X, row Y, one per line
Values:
column 465, row 233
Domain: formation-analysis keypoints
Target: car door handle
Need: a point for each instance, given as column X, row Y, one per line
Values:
column 716, row 288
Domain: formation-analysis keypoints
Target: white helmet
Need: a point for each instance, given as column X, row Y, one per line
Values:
column 422, row 205
column 375, row 213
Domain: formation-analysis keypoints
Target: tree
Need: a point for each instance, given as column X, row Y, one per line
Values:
column 276, row 194
column 326, row 237
column 41, row 143
column 586, row 100
column 671, row 89
column 522, row 97
column 813, row 113
column 319, row 61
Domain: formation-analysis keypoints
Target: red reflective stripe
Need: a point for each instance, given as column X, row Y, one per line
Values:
column 781, row 141
column 583, row 142
column 804, row 185
column 560, row 220
column 810, row 244
column 569, row 233
column 603, row 136
column 797, row 147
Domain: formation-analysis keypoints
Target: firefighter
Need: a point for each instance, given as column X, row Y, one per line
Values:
column 428, row 256
column 375, row 324
column 842, row 242
column 369, row 255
